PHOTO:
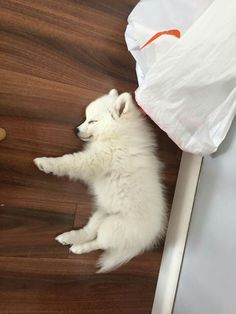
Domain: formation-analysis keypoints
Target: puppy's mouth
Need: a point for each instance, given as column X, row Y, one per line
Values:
column 85, row 138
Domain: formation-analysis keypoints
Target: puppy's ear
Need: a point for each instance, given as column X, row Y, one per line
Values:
column 123, row 104
column 113, row 92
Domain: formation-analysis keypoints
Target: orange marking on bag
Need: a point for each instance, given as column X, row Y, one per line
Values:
column 173, row 32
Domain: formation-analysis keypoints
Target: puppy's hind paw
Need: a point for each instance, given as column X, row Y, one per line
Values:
column 66, row 238
column 78, row 249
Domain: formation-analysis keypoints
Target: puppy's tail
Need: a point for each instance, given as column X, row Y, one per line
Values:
column 114, row 258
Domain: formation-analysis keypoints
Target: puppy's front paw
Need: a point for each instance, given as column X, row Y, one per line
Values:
column 44, row 164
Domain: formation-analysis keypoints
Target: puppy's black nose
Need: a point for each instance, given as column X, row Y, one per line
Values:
column 76, row 131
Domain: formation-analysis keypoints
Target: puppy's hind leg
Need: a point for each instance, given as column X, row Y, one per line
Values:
column 86, row 234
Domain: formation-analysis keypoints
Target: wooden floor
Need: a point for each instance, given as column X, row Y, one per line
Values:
column 55, row 57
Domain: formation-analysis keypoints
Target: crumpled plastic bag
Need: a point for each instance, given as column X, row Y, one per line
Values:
column 152, row 18
column 190, row 89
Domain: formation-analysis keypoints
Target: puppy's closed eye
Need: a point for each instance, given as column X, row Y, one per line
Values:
column 92, row 121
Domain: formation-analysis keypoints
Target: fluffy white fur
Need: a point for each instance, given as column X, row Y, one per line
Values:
column 120, row 166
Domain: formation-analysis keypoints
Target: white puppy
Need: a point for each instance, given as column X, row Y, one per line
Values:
column 120, row 166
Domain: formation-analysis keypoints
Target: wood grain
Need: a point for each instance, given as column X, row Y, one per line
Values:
column 55, row 57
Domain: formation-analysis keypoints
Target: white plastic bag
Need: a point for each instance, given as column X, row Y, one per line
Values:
column 190, row 90
column 150, row 20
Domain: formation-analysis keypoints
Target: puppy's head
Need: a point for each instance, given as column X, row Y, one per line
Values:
column 106, row 115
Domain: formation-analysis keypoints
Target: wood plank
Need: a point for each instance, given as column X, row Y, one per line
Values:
column 69, row 286
column 28, row 232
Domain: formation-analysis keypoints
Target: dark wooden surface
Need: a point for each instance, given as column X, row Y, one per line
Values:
column 55, row 57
